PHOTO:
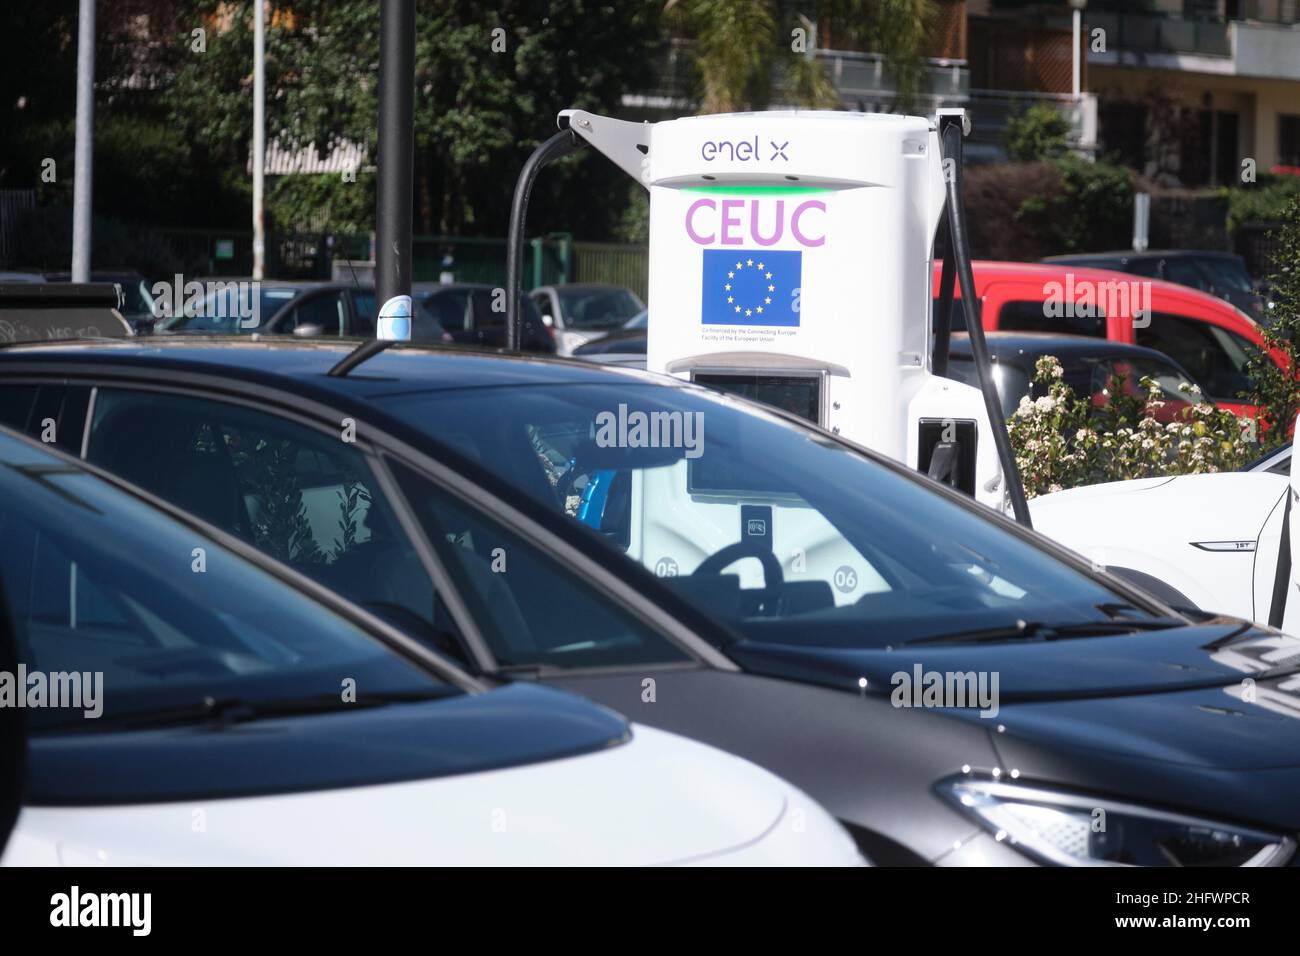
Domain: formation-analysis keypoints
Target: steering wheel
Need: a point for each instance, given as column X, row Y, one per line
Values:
column 773, row 576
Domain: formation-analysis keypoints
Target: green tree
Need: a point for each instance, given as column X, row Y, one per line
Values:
column 490, row 79
column 742, row 47
column 1277, row 390
column 1036, row 134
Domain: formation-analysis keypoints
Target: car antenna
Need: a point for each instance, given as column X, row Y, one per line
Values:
column 393, row 200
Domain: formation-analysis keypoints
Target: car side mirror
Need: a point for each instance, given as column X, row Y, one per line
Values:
column 308, row 331
column 547, row 320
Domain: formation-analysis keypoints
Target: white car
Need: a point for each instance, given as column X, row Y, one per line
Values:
column 579, row 312
column 215, row 707
column 1208, row 541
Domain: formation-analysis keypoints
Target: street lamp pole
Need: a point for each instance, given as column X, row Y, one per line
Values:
column 84, row 166
column 396, row 168
column 1077, row 7
column 259, row 138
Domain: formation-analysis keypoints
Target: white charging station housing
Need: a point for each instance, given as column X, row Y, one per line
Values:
column 790, row 260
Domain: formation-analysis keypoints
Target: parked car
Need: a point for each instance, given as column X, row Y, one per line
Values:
column 1203, row 541
column 474, row 314
column 1088, row 366
column 1220, row 274
column 499, row 521
column 1201, row 333
column 253, row 718
column 137, row 298
column 582, row 311
column 304, row 308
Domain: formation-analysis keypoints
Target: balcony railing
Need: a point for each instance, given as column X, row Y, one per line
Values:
column 1156, row 34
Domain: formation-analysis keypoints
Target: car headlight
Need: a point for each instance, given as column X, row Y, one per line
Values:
column 1070, row 830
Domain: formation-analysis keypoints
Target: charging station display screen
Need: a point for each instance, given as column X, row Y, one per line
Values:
column 798, row 394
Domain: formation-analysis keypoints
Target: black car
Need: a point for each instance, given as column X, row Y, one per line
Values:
column 1218, row 273
column 1088, row 365
column 499, row 511
column 474, row 314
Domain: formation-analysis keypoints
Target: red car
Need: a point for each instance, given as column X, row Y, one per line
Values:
column 1202, row 333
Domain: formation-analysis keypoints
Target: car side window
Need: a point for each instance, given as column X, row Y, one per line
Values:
column 1215, row 357
column 1144, row 267
column 16, row 403
column 324, row 311
column 1184, row 273
column 1028, row 315
column 364, row 305
column 449, row 309
column 55, row 414
column 304, row 497
column 532, row 609
column 487, row 315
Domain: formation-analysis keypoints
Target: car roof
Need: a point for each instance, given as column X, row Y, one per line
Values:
column 301, row 365
column 583, row 287
column 1145, row 254
column 434, row 286
column 1052, row 343
column 988, row 270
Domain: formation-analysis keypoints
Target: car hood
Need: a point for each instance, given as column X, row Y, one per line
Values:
column 1203, row 717
column 1217, row 653
column 657, row 799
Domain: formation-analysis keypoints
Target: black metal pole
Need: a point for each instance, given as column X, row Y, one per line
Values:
column 951, row 138
column 943, row 318
column 561, row 144
column 396, row 149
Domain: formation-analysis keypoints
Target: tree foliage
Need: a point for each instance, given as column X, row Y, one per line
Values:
column 490, row 79
column 1277, row 390
column 1038, row 133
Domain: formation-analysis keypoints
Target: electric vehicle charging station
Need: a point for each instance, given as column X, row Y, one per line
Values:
column 790, row 261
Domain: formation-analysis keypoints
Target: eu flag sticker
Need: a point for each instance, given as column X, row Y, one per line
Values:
column 745, row 287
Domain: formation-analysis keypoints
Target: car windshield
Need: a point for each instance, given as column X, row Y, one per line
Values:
column 777, row 531
column 597, row 308
column 229, row 307
column 161, row 618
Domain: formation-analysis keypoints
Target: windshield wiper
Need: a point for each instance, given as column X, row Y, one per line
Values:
column 225, row 711
column 1047, row 632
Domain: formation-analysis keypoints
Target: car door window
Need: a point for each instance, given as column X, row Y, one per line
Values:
column 1216, row 358
column 364, row 305
column 16, row 403
column 304, row 497
column 532, row 609
column 1184, row 273
column 102, row 583
column 323, row 311
column 1144, row 267
column 449, row 309
column 1027, row 315
column 51, row 413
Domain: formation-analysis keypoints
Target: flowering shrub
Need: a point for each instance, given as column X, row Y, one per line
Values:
column 1062, row 441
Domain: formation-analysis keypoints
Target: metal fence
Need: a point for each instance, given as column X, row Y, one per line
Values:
column 13, row 203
